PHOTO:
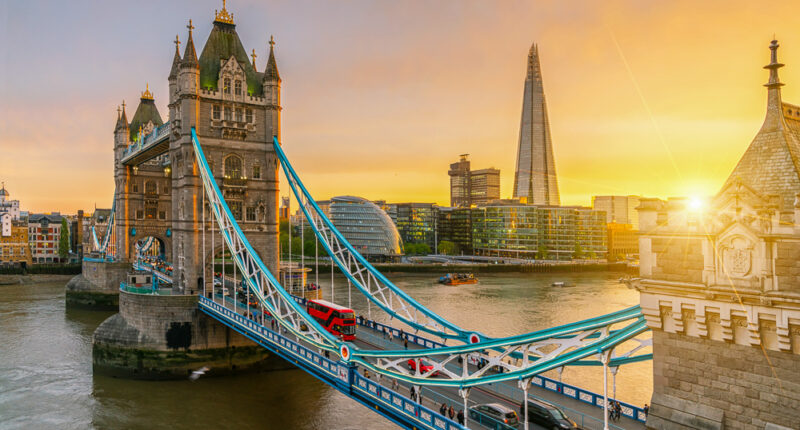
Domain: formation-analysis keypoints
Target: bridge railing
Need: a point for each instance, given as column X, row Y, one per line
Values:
column 586, row 396
column 145, row 290
column 338, row 374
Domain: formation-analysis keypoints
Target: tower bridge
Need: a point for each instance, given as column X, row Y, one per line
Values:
column 205, row 184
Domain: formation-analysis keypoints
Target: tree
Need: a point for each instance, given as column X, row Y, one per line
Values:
column 423, row 249
column 447, row 247
column 542, row 252
column 577, row 254
column 63, row 241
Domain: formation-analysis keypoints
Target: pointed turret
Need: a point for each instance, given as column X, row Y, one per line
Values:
column 190, row 55
column 271, row 72
column 771, row 164
column 176, row 60
column 122, row 119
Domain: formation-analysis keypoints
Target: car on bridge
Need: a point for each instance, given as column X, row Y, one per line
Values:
column 494, row 416
column 547, row 415
column 423, row 367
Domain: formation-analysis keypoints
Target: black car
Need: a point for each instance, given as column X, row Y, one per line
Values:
column 547, row 415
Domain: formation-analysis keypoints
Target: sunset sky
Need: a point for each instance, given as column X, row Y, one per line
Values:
column 652, row 98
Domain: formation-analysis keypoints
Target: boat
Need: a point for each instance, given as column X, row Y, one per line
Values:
column 458, row 279
column 562, row 284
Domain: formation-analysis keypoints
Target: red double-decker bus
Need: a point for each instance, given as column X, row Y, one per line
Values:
column 339, row 320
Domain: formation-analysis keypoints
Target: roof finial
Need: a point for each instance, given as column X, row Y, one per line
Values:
column 177, row 43
column 147, row 95
column 123, row 105
column 223, row 15
column 271, row 42
column 254, row 57
column 773, row 66
column 119, row 111
column 190, row 27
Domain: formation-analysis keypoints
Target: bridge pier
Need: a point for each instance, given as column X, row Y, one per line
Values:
column 167, row 337
column 97, row 286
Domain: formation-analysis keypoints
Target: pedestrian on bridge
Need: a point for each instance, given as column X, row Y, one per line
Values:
column 391, row 337
column 460, row 416
column 412, row 393
column 384, row 332
column 451, row 412
column 405, row 342
column 443, row 410
column 395, row 385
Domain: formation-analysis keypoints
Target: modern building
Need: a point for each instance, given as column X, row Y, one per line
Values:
column 535, row 176
column 618, row 209
column 719, row 288
column 472, row 187
column 7, row 205
column 455, row 225
column 44, row 233
column 416, row 222
column 538, row 232
column 367, row 227
column 14, row 247
column 623, row 242
column 284, row 208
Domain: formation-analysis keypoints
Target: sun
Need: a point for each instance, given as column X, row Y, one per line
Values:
column 696, row 203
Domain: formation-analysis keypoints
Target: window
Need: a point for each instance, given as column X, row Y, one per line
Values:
column 238, row 87
column 150, row 213
column 239, row 114
column 139, row 214
column 135, row 187
column 251, row 213
column 256, row 172
column 233, row 167
column 162, row 215
column 226, row 86
column 227, row 114
column 150, row 187
column 249, row 116
column 236, row 209
column 217, row 112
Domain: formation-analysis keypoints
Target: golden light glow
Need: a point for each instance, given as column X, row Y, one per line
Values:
column 696, row 204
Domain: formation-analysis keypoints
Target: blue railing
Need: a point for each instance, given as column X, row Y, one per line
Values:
column 145, row 290
column 340, row 375
column 157, row 134
column 98, row 260
column 628, row 410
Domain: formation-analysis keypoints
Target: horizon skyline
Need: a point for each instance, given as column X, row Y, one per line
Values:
column 633, row 90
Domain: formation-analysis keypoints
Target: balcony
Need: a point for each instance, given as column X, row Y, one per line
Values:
column 234, row 182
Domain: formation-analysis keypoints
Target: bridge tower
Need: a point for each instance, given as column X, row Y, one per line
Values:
column 720, row 289
column 236, row 112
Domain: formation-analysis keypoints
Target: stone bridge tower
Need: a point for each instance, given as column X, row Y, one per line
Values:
column 236, row 111
column 720, row 288
column 144, row 194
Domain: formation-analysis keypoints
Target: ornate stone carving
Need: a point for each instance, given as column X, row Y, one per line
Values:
column 737, row 256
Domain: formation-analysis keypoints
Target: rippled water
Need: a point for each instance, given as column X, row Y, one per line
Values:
column 46, row 376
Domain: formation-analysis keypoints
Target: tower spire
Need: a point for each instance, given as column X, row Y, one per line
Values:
column 176, row 60
column 774, row 118
column 254, row 59
column 190, row 55
column 271, row 72
column 223, row 15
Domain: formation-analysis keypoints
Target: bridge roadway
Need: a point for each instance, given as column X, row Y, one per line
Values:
column 506, row 393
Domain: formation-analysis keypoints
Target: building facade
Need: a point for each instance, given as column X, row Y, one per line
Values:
column 623, row 242
column 7, row 205
column 719, row 289
column 14, row 245
column 44, row 233
column 367, row 227
column 538, row 232
column 535, row 178
column 416, row 222
column 455, row 225
column 472, row 187
column 618, row 209
column 236, row 112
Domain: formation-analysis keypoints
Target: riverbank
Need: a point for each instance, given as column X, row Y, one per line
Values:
column 494, row 268
column 32, row 279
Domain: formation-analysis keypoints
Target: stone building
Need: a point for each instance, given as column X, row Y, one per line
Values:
column 720, row 289
column 44, row 233
column 236, row 112
column 14, row 247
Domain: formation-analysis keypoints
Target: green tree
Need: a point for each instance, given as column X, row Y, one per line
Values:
column 423, row 249
column 447, row 247
column 63, row 241
column 410, row 248
column 577, row 254
column 541, row 254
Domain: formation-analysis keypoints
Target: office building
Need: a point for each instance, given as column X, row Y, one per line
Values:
column 367, row 227
column 623, row 242
column 618, row 209
column 416, row 222
column 472, row 187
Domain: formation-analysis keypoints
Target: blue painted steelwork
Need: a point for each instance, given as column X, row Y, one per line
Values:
column 103, row 247
column 337, row 374
column 158, row 135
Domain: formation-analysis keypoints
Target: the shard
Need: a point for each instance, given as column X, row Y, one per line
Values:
column 535, row 176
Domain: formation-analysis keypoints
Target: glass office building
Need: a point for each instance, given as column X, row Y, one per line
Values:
column 416, row 222
column 538, row 232
column 367, row 227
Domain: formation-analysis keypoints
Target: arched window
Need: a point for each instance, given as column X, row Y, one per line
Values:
column 238, row 87
column 227, row 85
column 150, row 187
column 233, row 167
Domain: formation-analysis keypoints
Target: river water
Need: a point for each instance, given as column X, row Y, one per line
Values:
column 46, row 378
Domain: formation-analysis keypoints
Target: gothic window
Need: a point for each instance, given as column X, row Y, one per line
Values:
column 139, row 214
column 226, row 85
column 238, row 88
column 216, row 112
column 249, row 115
column 150, row 187
column 227, row 113
column 135, row 187
column 239, row 114
column 150, row 212
column 256, row 172
column 233, row 167
column 236, row 210
column 162, row 215
column 251, row 213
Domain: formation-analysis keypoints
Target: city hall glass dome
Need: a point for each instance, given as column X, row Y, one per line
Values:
column 366, row 226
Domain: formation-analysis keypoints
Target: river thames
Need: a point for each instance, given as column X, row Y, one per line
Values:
column 46, row 378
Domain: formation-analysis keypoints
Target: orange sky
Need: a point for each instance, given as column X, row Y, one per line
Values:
column 379, row 97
